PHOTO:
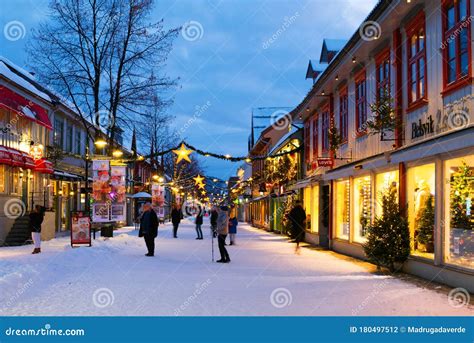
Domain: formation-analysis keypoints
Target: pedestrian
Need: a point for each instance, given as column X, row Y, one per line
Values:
column 176, row 219
column 198, row 221
column 232, row 226
column 149, row 228
column 36, row 219
column 297, row 217
column 213, row 219
column 222, row 231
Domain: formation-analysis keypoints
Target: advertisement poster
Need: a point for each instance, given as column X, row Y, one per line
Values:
column 157, row 195
column 80, row 228
column 117, row 193
column 100, row 212
column 101, row 191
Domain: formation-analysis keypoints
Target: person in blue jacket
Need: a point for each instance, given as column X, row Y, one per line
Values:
column 232, row 226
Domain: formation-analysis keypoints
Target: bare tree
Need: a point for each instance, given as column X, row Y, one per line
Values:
column 104, row 57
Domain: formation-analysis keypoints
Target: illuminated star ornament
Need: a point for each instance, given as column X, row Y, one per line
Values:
column 182, row 153
column 201, row 186
column 198, row 179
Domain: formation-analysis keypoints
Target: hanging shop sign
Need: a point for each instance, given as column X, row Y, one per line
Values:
column 422, row 128
column 80, row 228
column 117, row 193
column 37, row 151
column 325, row 162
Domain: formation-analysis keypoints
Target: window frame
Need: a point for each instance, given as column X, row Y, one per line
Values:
column 315, row 135
column 417, row 23
column 344, row 129
column 307, row 140
column 460, row 81
column 383, row 58
column 361, row 77
column 325, row 126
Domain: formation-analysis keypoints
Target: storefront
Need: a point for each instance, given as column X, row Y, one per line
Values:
column 259, row 211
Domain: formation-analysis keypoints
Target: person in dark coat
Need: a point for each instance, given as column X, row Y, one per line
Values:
column 297, row 217
column 233, row 222
column 149, row 228
column 222, row 231
column 198, row 221
column 176, row 219
column 213, row 219
column 36, row 219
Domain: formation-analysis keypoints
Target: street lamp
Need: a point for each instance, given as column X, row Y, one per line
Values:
column 117, row 153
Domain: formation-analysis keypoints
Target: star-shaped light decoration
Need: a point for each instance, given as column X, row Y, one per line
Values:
column 201, row 185
column 182, row 153
column 198, row 179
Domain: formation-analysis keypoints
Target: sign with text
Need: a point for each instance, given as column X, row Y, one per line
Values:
column 325, row 162
column 80, row 228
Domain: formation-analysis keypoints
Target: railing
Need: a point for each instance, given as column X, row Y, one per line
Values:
column 39, row 198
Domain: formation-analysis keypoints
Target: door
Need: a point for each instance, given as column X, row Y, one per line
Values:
column 325, row 214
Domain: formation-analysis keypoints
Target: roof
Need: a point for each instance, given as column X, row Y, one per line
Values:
column 314, row 69
column 262, row 118
column 330, row 49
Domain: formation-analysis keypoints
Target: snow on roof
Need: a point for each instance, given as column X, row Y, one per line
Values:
column 317, row 66
column 334, row 44
column 10, row 71
column 263, row 117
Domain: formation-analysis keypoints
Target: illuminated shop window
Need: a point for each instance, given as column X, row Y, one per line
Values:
column 362, row 207
column 315, row 209
column 2, row 178
column 421, row 210
column 383, row 182
column 307, row 201
column 342, row 209
column 459, row 211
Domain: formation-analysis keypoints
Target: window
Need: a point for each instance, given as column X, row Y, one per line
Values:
column 416, row 65
column 58, row 132
column 362, row 207
column 456, row 42
column 2, row 178
column 459, row 211
column 383, row 73
column 361, row 102
column 421, row 210
column 342, row 209
column 69, row 138
column 383, row 183
column 315, row 136
column 343, row 114
column 325, row 130
column 16, row 181
column 78, row 144
column 307, row 139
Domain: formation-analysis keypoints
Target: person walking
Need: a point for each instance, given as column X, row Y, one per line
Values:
column 149, row 228
column 297, row 217
column 175, row 219
column 36, row 219
column 222, row 231
column 233, row 222
column 198, row 221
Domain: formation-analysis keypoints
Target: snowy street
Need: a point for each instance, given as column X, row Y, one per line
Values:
column 265, row 277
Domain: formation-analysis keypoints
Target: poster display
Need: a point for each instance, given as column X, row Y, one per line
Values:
column 80, row 228
column 117, row 193
column 158, row 200
column 100, row 191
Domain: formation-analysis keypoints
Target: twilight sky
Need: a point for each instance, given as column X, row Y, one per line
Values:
column 235, row 55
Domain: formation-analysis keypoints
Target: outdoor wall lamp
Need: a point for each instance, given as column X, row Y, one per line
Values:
column 358, row 166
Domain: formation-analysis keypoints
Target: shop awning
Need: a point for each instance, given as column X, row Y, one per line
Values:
column 304, row 183
column 24, row 107
column 4, row 156
column 16, row 158
column 65, row 176
column 44, row 166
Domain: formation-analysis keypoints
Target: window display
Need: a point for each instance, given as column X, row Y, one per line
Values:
column 382, row 182
column 362, row 207
column 342, row 209
column 459, row 215
column 2, row 178
column 421, row 212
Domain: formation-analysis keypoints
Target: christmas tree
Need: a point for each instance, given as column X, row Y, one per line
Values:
column 388, row 238
column 425, row 225
column 462, row 189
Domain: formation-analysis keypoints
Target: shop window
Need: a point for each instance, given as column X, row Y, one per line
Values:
column 16, row 181
column 383, row 182
column 342, row 209
column 307, row 207
column 361, row 103
column 421, row 210
column 459, row 215
column 343, row 114
column 315, row 209
column 416, row 49
column 456, row 38
column 362, row 207
column 2, row 178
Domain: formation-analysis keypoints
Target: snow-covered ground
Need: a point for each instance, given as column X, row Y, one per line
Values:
column 265, row 277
